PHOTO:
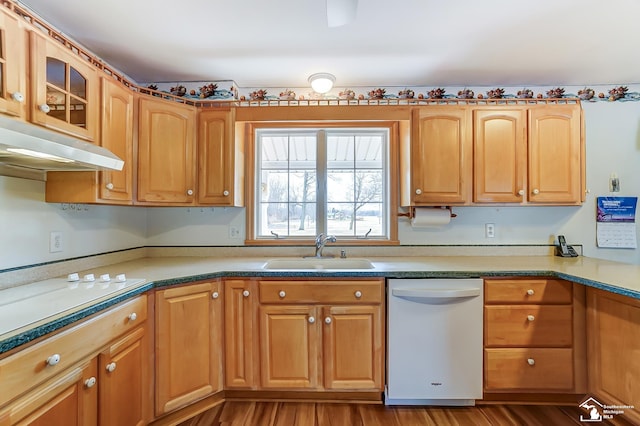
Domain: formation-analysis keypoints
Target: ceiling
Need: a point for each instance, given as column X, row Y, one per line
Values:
column 279, row 43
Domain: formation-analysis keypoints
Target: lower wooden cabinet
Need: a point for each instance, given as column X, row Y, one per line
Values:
column 534, row 336
column 613, row 330
column 188, row 344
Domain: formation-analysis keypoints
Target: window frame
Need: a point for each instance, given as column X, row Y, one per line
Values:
column 392, row 179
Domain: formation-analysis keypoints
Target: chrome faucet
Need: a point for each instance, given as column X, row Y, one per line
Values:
column 321, row 241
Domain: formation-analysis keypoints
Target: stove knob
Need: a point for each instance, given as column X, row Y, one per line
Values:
column 105, row 278
column 73, row 277
column 89, row 277
column 121, row 278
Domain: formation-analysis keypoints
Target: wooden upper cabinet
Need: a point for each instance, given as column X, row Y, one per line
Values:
column 441, row 150
column 12, row 66
column 500, row 155
column 105, row 187
column 166, row 152
column 555, row 155
column 64, row 89
column 220, row 159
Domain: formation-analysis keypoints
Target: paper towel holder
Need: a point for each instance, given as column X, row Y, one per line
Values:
column 412, row 212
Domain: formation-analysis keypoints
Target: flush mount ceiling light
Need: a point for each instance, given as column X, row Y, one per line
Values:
column 322, row 82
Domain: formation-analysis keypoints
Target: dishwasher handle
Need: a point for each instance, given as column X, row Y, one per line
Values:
column 435, row 293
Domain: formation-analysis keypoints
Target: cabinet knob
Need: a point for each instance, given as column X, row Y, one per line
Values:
column 109, row 186
column 245, row 293
column 418, row 191
column 133, row 316
column 215, row 295
column 536, row 191
column 358, row 294
column 189, row 191
column 327, row 320
column 530, row 292
column 17, row 96
column 44, row 108
column 90, row 382
column 225, row 193
column 111, row 367
column 53, row 360
column 311, row 320
column 282, row 294
column 521, row 192
column 531, row 361
column 530, row 318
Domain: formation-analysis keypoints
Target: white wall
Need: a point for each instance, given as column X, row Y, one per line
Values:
column 612, row 143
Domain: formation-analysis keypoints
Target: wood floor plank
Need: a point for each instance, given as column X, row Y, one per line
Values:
column 331, row 414
column 377, row 415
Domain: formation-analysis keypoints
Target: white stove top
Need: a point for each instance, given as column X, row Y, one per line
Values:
column 38, row 303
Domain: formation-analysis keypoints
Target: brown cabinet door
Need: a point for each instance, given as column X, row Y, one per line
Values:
column 500, row 155
column 240, row 334
column 166, row 152
column 124, row 391
column 218, row 159
column 289, row 346
column 441, row 152
column 353, row 347
column 64, row 89
column 555, row 155
column 12, row 66
column 188, row 344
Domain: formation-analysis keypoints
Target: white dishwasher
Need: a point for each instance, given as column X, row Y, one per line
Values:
column 434, row 341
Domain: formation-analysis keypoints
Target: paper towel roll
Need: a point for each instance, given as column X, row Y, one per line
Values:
column 430, row 217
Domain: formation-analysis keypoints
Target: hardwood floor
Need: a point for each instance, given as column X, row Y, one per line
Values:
column 333, row 414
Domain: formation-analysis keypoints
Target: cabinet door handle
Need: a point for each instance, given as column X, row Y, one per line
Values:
column 521, row 192
column 245, row 293
column 358, row 294
column 225, row 193
column 109, row 186
column 53, row 360
column 418, row 191
column 530, row 318
column 282, row 294
column 311, row 320
column 215, row 295
column 133, row 316
column 111, row 367
column 17, row 96
column 531, row 361
column 44, row 108
column 90, row 382
column 530, row 292
column 536, row 191
column 327, row 320
column 189, row 191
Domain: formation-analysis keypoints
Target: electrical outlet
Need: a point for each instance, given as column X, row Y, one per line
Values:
column 234, row 232
column 55, row 242
column 489, row 230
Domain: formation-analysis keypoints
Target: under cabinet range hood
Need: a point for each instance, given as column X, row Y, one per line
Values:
column 27, row 150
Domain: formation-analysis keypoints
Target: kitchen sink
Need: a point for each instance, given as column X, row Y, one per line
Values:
column 318, row 263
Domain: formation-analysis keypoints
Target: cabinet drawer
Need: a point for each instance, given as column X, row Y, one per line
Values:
column 539, row 369
column 26, row 369
column 349, row 291
column 541, row 291
column 528, row 325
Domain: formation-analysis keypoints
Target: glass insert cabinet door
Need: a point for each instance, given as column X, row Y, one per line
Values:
column 331, row 181
column 66, row 93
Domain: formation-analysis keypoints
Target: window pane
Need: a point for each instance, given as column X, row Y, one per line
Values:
column 56, row 73
column 78, row 84
column 302, row 186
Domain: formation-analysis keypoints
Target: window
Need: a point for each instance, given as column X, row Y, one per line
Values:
column 313, row 180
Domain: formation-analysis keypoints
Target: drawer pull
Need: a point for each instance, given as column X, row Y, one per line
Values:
column 133, row 316
column 311, row 320
column 531, row 361
column 111, row 367
column 53, row 360
column 530, row 318
column 245, row 293
column 530, row 292
column 327, row 320
column 282, row 294
column 90, row 382
column 358, row 294
column 215, row 295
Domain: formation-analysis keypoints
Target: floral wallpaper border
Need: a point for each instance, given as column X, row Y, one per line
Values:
column 229, row 90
